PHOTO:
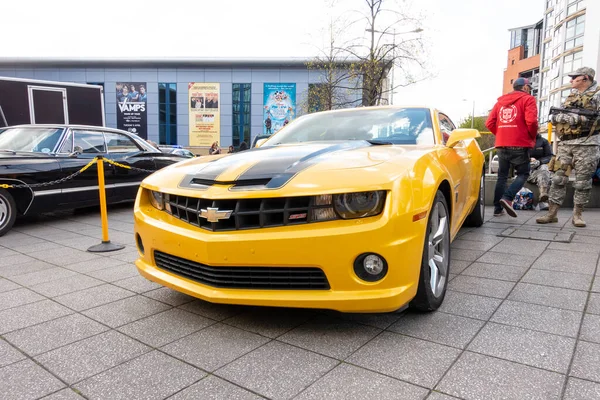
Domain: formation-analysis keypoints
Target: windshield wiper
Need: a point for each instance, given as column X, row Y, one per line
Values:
column 379, row 142
column 8, row 151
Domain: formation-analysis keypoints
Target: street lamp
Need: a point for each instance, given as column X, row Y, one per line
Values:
column 472, row 114
column 394, row 34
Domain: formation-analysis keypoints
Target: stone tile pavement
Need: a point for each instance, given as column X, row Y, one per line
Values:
column 521, row 320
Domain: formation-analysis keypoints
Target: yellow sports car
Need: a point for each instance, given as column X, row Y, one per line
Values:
column 351, row 210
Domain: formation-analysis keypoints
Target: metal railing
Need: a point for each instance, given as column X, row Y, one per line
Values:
column 489, row 153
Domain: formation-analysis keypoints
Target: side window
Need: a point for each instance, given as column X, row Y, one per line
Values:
column 446, row 127
column 89, row 142
column 67, row 146
column 118, row 143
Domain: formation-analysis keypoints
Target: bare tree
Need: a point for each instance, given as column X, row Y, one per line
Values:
column 393, row 43
column 338, row 83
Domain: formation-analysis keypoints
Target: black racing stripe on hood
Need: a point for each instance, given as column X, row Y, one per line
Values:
column 292, row 163
column 212, row 169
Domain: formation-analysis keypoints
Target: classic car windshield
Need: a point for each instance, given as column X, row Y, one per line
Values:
column 384, row 125
column 30, row 139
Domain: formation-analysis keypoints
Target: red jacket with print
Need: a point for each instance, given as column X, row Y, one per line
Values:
column 514, row 120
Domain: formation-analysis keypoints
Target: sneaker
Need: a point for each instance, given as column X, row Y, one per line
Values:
column 508, row 207
column 498, row 213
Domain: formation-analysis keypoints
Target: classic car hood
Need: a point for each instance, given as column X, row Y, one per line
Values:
column 312, row 164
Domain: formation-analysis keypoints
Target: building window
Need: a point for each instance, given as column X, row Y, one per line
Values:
column 574, row 6
column 564, row 94
column 559, row 17
column 167, row 113
column 572, row 62
column 544, row 84
column 547, row 53
column 549, row 24
column 574, row 35
column 241, row 113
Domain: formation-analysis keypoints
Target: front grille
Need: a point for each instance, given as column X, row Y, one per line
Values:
column 246, row 213
column 284, row 278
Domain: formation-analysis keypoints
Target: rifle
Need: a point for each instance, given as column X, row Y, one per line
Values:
column 578, row 111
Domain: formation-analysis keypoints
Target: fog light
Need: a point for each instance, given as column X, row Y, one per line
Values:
column 140, row 245
column 373, row 264
column 370, row 267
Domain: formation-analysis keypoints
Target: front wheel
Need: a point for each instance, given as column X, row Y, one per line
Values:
column 435, row 264
column 8, row 211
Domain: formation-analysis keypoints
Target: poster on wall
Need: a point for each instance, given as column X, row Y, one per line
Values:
column 205, row 126
column 131, row 108
column 279, row 106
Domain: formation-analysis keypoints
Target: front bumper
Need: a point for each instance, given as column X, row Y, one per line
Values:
column 331, row 246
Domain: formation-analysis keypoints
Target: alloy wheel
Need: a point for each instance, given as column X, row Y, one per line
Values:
column 439, row 247
column 3, row 211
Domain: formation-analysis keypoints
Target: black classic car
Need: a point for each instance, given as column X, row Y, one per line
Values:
column 31, row 156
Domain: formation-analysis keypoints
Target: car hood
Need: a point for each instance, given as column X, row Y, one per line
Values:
column 318, row 165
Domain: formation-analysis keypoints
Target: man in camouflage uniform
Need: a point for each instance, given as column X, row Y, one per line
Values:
column 579, row 147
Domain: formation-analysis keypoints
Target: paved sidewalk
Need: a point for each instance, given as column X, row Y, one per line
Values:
column 521, row 321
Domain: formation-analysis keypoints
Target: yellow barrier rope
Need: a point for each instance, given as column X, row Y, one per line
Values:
column 116, row 164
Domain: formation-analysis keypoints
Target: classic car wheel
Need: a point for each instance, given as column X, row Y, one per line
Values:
column 478, row 214
column 435, row 264
column 8, row 211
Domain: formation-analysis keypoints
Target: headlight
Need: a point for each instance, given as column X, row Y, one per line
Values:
column 359, row 205
column 157, row 199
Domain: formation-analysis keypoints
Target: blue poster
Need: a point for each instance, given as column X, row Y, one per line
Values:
column 279, row 106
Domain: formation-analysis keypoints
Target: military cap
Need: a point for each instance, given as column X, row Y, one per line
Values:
column 583, row 71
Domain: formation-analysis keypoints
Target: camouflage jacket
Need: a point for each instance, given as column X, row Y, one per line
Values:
column 593, row 103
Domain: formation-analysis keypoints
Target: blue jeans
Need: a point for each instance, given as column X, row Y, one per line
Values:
column 518, row 157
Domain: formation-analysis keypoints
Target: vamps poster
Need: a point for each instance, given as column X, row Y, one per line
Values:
column 132, row 108
column 279, row 106
column 205, row 125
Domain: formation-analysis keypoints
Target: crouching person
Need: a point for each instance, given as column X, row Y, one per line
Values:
column 540, row 175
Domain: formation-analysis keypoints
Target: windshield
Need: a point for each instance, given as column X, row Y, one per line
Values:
column 385, row 125
column 42, row 140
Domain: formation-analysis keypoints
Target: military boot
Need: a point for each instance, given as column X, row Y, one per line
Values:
column 543, row 194
column 577, row 219
column 551, row 216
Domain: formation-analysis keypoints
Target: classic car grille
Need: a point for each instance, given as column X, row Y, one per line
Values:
column 246, row 213
column 284, row 278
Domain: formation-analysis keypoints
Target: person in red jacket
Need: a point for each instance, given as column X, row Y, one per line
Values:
column 513, row 121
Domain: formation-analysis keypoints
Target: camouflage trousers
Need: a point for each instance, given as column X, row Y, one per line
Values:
column 580, row 160
column 541, row 176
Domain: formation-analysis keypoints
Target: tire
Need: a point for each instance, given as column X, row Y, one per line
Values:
column 478, row 214
column 8, row 211
column 435, row 264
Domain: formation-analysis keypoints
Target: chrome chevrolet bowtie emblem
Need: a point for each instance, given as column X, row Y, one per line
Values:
column 214, row 215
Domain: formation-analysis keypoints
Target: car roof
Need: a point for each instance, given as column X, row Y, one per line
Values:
column 73, row 126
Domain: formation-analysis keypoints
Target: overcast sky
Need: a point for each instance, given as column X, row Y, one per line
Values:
column 467, row 40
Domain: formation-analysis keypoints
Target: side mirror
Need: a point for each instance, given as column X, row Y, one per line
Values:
column 260, row 142
column 76, row 151
column 458, row 135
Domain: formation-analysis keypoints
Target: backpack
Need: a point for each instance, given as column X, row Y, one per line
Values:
column 523, row 200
